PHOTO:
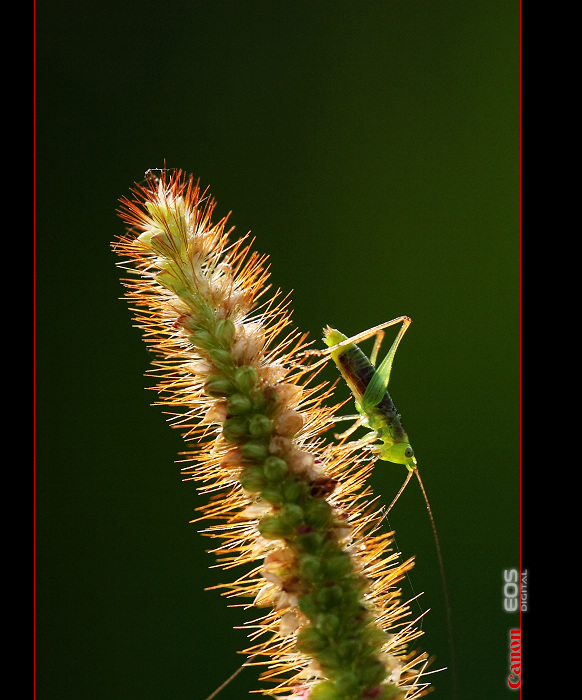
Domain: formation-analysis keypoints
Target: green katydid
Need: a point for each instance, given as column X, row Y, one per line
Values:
column 369, row 385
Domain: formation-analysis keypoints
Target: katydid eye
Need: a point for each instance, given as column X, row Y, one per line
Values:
column 409, row 452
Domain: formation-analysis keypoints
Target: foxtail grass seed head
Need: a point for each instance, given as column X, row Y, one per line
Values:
column 229, row 368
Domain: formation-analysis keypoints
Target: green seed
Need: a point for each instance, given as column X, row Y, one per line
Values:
column 239, row 404
column 275, row 468
column 245, row 378
column 235, row 428
column 219, row 385
column 260, row 426
column 255, row 450
column 221, row 358
column 225, row 332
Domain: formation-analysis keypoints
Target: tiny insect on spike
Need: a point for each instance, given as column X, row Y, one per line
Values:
column 246, row 399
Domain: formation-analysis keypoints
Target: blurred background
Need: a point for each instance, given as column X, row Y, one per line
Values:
column 373, row 150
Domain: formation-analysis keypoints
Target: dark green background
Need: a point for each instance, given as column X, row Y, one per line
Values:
column 373, row 150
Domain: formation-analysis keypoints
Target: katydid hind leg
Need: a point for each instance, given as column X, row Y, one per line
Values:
column 358, row 338
column 376, row 348
column 364, row 335
column 379, row 383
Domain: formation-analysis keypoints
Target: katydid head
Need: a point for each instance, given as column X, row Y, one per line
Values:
column 399, row 453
